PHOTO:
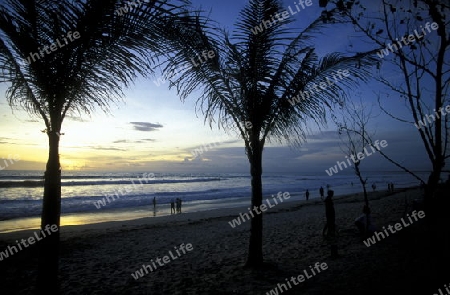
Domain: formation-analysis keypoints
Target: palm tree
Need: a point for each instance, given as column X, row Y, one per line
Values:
column 70, row 56
column 256, row 84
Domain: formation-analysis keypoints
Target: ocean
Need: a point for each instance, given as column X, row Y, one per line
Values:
column 84, row 193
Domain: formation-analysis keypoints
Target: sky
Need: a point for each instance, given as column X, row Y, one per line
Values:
column 153, row 131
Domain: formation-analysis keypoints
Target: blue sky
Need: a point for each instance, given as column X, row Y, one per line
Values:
column 152, row 130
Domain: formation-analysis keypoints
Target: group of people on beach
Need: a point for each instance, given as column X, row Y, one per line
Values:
column 362, row 222
column 177, row 203
column 321, row 192
column 390, row 187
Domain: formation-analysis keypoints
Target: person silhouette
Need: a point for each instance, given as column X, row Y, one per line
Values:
column 330, row 227
column 178, row 201
column 172, row 206
column 321, row 193
column 154, row 206
column 307, row 195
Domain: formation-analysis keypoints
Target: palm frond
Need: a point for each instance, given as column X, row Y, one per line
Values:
column 253, row 77
column 78, row 74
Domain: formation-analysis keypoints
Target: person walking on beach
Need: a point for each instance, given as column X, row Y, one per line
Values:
column 374, row 187
column 321, row 193
column 172, row 206
column 307, row 195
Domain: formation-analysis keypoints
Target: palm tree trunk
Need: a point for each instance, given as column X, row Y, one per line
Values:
column 255, row 255
column 51, row 211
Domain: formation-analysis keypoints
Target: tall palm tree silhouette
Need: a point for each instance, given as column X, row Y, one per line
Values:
column 70, row 56
column 256, row 83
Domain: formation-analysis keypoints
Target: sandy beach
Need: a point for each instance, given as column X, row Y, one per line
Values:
column 101, row 258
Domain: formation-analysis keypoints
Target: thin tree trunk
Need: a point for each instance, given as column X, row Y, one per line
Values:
column 367, row 212
column 433, row 181
column 363, row 183
column 51, row 211
column 439, row 155
column 255, row 255
column 366, row 198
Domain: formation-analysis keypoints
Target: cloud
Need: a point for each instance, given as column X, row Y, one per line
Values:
column 8, row 140
column 120, row 141
column 106, row 148
column 5, row 140
column 136, row 141
column 146, row 126
column 324, row 135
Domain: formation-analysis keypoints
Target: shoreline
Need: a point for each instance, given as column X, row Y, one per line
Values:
column 143, row 218
column 107, row 254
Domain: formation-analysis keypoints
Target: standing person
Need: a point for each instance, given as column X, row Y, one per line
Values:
column 331, row 223
column 321, row 193
column 330, row 214
column 154, row 206
column 178, row 205
column 307, row 195
column 374, row 187
column 172, row 206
